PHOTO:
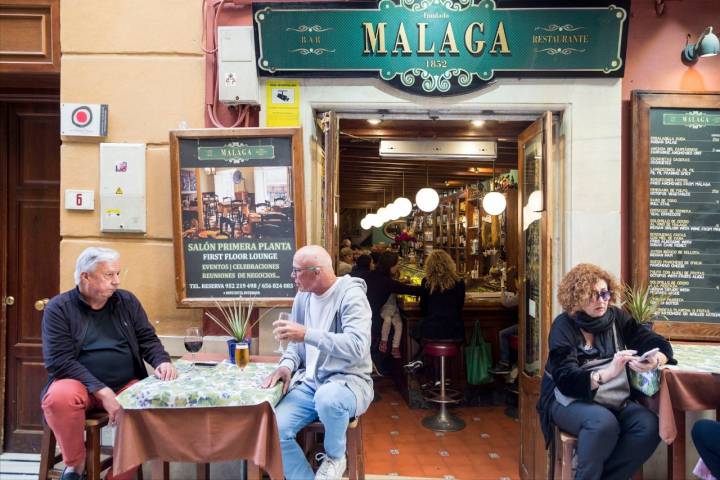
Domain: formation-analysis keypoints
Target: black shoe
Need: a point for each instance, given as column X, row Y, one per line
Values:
column 72, row 475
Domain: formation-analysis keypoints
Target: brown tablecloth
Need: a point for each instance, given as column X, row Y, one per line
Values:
column 206, row 435
column 685, row 391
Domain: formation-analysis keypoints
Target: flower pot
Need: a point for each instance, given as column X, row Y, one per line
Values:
column 232, row 343
column 231, row 349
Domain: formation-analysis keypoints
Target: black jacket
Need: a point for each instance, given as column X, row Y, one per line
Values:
column 563, row 371
column 64, row 324
column 442, row 313
column 379, row 288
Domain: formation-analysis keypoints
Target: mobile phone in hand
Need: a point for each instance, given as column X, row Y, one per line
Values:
column 645, row 357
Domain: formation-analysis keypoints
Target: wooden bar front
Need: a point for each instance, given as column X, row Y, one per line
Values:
column 493, row 317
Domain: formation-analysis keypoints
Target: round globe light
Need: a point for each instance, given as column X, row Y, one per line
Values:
column 494, row 203
column 377, row 221
column 383, row 214
column 427, row 199
column 535, row 201
column 365, row 223
column 392, row 211
column 403, row 205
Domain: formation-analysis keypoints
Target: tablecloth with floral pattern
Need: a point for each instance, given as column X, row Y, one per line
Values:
column 223, row 385
column 696, row 358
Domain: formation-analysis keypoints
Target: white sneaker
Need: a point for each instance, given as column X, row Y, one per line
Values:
column 331, row 468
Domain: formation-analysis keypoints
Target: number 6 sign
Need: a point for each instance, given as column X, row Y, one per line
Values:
column 79, row 200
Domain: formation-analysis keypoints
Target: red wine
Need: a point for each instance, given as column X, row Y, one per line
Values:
column 193, row 346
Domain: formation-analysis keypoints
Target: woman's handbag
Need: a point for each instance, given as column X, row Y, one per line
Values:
column 478, row 359
column 615, row 392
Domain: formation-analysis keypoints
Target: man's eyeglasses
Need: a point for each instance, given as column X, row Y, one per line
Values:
column 296, row 270
column 603, row 295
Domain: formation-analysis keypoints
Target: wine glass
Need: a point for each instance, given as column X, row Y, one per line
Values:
column 193, row 341
column 282, row 344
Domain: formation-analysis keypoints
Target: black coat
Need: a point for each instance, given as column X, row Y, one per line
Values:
column 442, row 313
column 65, row 322
column 563, row 371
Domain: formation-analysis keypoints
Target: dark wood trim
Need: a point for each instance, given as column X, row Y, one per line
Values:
column 331, row 192
column 298, row 179
column 642, row 102
column 39, row 62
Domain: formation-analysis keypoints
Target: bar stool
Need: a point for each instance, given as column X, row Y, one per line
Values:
column 443, row 421
column 355, row 449
column 94, row 422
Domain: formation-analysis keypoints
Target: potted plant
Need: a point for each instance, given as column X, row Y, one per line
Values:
column 643, row 305
column 235, row 319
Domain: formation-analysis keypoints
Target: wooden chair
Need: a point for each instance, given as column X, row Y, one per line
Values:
column 94, row 422
column 355, row 451
column 565, row 445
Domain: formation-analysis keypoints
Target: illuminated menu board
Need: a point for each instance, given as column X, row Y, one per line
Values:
column 684, row 201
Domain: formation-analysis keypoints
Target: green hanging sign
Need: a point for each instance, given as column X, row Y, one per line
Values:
column 437, row 47
column 236, row 152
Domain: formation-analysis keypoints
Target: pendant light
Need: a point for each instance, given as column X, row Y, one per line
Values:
column 493, row 202
column 402, row 204
column 365, row 222
column 427, row 198
column 383, row 212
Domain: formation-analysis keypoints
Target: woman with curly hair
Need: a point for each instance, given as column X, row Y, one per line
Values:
column 442, row 300
column 585, row 389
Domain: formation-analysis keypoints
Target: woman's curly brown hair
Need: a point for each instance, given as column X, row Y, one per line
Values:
column 440, row 272
column 578, row 285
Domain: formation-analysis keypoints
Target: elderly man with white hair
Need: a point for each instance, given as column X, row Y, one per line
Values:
column 329, row 355
column 95, row 338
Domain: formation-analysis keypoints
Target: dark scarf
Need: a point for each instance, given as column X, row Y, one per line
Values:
column 600, row 327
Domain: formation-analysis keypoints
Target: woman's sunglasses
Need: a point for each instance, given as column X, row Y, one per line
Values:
column 603, row 295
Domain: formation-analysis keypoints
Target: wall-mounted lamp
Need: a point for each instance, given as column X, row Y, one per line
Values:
column 706, row 46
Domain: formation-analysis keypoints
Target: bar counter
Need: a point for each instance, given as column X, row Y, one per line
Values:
column 493, row 317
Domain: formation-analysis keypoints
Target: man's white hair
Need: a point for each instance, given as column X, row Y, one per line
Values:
column 91, row 257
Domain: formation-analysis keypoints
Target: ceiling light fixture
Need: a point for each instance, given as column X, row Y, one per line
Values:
column 477, row 123
column 706, row 46
column 493, row 202
column 427, row 198
column 374, row 121
column 403, row 205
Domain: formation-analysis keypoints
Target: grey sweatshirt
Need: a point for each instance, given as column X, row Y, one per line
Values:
column 344, row 349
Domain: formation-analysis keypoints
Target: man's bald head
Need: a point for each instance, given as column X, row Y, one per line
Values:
column 313, row 270
column 313, row 256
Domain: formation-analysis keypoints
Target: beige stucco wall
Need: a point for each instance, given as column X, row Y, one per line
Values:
column 144, row 60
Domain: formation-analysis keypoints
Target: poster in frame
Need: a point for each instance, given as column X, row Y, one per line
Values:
column 238, row 214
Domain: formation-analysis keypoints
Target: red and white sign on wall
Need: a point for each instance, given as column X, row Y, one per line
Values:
column 83, row 119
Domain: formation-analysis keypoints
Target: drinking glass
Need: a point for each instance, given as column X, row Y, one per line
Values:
column 282, row 344
column 193, row 341
column 242, row 355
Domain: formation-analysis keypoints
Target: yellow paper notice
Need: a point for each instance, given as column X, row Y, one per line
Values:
column 283, row 103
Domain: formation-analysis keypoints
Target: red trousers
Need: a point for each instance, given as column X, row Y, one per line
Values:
column 64, row 405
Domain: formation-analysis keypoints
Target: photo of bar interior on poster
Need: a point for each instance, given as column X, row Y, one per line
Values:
column 238, row 230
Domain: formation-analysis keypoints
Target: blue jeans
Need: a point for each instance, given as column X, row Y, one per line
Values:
column 505, row 335
column 611, row 445
column 333, row 403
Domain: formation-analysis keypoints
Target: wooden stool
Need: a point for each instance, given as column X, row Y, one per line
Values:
column 94, row 422
column 355, row 450
column 565, row 445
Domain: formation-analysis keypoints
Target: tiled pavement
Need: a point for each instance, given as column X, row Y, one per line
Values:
column 396, row 443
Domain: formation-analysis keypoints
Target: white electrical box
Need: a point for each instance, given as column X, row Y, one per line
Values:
column 122, row 187
column 79, row 199
column 237, row 75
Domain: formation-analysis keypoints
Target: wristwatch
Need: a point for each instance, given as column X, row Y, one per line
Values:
column 595, row 375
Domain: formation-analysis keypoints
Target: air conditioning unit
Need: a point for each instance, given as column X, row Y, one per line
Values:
column 439, row 149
